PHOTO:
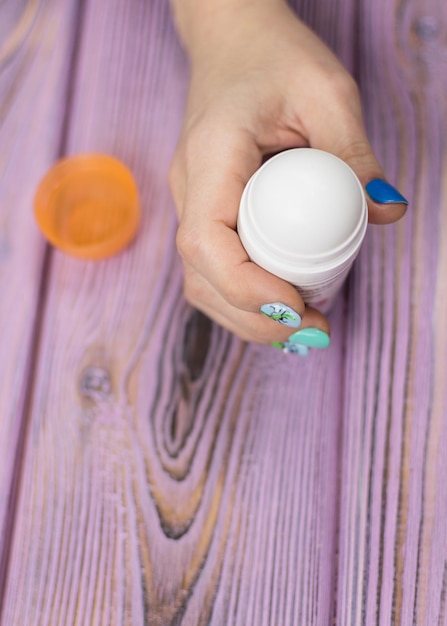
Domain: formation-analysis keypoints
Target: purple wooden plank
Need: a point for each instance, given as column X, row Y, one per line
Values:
column 393, row 547
column 32, row 97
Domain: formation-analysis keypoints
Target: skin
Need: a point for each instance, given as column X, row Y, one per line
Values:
column 261, row 82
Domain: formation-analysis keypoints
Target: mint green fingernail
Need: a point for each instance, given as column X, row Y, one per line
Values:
column 311, row 337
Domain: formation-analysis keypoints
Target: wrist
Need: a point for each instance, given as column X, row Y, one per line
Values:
column 204, row 23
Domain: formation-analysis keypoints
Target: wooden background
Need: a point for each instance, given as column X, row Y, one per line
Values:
column 154, row 469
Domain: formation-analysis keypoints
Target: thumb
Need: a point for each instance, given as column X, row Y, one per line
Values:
column 385, row 203
column 342, row 133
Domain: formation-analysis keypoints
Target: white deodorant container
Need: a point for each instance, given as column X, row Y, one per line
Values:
column 303, row 217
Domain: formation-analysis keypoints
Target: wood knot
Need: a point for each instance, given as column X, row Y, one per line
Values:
column 426, row 28
column 196, row 344
column 95, row 384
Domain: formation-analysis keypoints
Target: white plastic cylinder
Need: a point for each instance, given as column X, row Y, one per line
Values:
column 303, row 216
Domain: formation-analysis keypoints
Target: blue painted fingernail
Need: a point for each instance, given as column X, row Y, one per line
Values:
column 311, row 337
column 291, row 348
column 281, row 313
column 381, row 191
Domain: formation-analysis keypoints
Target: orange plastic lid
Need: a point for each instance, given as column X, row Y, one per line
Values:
column 87, row 205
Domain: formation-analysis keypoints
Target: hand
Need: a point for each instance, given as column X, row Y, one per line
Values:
column 261, row 82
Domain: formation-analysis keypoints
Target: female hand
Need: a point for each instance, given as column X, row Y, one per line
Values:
column 261, row 82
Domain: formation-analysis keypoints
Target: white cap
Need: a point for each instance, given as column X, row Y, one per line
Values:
column 303, row 212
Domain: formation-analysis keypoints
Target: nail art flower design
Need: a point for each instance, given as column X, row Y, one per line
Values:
column 291, row 348
column 282, row 314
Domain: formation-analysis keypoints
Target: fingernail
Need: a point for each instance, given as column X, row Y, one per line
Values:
column 281, row 313
column 381, row 191
column 291, row 348
column 311, row 337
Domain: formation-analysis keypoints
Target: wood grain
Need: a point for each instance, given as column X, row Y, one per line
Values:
column 393, row 551
column 33, row 70
column 172, row 474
